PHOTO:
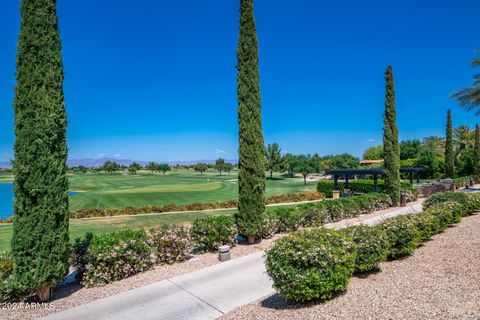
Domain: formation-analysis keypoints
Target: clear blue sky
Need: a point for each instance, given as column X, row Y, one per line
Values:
column 156, row 80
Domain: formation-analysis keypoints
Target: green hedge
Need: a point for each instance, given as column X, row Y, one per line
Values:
column 447, row 213
column 171, row 207
column 469, row 203
column 308, row 265
column 371, row 246
column 317, row 263
column 426, row 224
column 363, row 186
column 318, row 213
column 402, row 234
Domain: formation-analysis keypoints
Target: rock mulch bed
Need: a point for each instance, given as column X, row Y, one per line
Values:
column 441, row 280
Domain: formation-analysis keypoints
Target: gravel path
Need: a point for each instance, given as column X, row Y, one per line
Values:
column 441, row 280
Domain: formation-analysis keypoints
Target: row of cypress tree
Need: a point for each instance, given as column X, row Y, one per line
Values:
column 40, row 243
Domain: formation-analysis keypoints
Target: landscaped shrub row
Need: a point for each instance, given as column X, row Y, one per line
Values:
column 108, row 212
column 105, row 258
column 295, row 197
column 287, row 219
column 289, row 197
column 208, row 233
column 101, row 259
column 313, row 264
column 469, row 203
column 364, row 186
column 318, row 263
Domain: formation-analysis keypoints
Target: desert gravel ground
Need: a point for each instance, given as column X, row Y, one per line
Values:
column 441, row 280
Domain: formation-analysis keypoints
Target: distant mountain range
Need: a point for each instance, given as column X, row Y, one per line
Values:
column 99, row 162
column 124, row 162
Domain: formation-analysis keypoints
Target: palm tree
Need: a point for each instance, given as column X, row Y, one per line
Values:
column 464, row 137
column 435, row 144
column 469, row 97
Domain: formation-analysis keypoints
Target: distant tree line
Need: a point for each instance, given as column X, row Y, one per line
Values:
column 305, row 164
column 434, row 154
column 220, row 165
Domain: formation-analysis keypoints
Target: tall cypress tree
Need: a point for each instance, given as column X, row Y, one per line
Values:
column 391, row 149
column 40, row 244
column 449, row 156
column 251, row 158
column 476, row 154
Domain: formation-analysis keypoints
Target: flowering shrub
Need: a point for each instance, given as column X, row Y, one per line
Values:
column 208, row 233
column 334, row 210
column 402, row 235
column 313, row 214
column 295, row 197
column 269, row 224
column 345, row 208
column 7, row 220
column 6, row 265
column 170, row 244
column 475, row 201
column 426, row 224
column 468, row 205
column 289, row 219
column 170, row 207
column 116, row 256
column 371, row 246
column 373, row 201
column 312, row 264
column 447, row 213
column 411, row 193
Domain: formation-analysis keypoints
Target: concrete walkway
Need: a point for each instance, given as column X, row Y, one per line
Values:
column 203, row 294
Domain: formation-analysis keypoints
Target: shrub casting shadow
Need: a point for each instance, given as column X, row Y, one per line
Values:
column 363, row 275
column 278, row 302
column 63, row 291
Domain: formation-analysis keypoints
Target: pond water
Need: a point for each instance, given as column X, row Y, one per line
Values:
column 6, row 199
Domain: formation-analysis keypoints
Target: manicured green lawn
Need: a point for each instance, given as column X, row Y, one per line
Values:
column 179, row 187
